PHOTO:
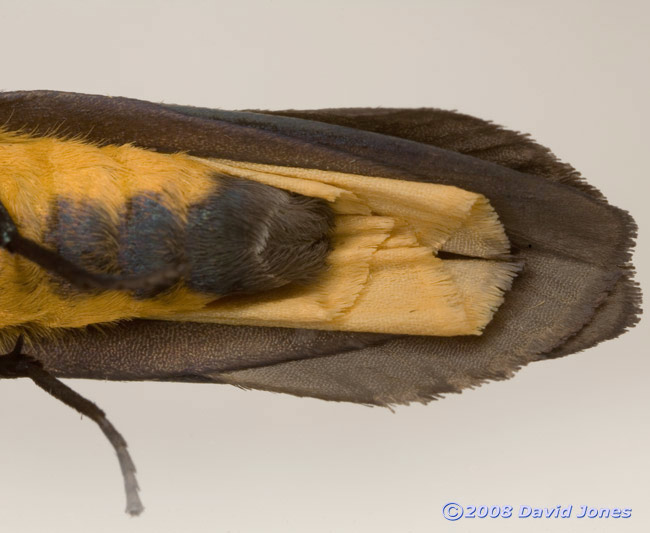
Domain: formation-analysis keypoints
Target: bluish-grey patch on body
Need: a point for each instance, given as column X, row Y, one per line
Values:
column 245, row 237
column 150, row 236
column 84, row 234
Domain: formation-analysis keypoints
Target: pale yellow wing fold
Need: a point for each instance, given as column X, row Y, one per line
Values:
column 383, row 273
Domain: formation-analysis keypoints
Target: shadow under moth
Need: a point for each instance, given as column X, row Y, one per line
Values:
column 377, row 256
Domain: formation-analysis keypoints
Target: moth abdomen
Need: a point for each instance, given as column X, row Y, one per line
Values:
column 243, row 237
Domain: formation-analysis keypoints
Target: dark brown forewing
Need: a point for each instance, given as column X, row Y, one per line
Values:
column 573, row 245
column 455, row 132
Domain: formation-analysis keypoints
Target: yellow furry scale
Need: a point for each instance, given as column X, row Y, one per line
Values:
column 382, row 276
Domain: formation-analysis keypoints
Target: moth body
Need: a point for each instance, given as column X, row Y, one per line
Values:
column 545, row 271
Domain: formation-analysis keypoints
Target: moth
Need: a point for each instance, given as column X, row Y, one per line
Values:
column 376, row 256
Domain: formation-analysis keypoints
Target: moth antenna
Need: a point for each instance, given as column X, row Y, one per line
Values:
column 16, row 364
column 14, row 242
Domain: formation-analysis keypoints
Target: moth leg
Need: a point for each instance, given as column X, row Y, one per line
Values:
column 14, row 242
column 16, row 364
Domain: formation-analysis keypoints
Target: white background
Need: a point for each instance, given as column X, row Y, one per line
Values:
column 213, row 458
